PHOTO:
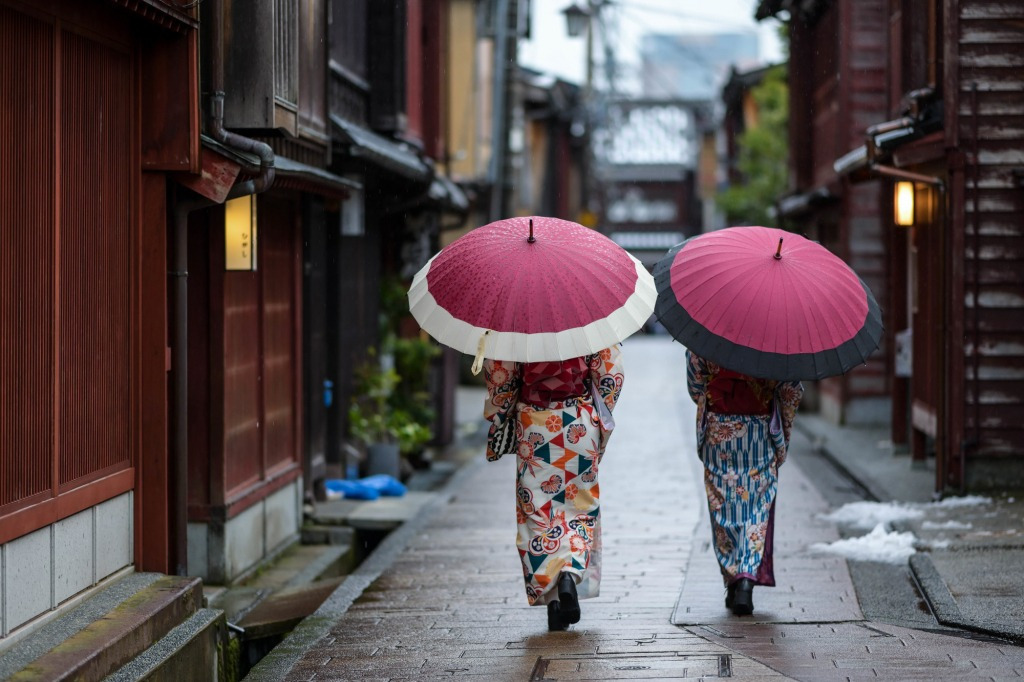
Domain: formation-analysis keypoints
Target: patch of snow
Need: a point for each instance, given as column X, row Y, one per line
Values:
column 870, row 514
column 879, row 545
column 867, row 515
column 934, row 544
column 945, row 525
column 965, row 501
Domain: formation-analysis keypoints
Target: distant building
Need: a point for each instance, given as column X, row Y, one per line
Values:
column 646, row 158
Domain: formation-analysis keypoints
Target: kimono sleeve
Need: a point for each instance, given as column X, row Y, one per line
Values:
column 789, row 395
column 696, row 376
column 606, row 372
column 503, row 380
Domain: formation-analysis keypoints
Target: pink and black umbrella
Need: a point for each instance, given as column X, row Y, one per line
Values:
column 532, row 289
column 767, row 303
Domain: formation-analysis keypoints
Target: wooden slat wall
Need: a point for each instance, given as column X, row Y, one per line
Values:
column 260, row 355
column 279, row 269
column 26, row 257
column 66, row 230
column 826, row 138
column 991, row 129
column 864, row 103
column 415, row 69
column 242, row 377
column 94, row 240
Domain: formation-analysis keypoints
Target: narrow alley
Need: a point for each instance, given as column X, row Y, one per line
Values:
column 442, row 597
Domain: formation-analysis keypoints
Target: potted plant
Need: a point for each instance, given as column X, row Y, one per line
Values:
column 387, row 431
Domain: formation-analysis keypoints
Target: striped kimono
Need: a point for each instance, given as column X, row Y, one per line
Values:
column 559, row 444
column 743, row 427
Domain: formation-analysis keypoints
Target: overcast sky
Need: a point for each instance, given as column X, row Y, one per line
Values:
column 552, row 51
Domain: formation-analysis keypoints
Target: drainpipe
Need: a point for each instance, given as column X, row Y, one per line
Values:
column 179, row 271
column 215, row 126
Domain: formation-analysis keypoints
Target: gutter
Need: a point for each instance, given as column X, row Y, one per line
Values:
column 179, row 380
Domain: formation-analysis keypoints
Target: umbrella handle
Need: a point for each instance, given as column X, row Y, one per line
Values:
column 778, row 252
column 478, row 360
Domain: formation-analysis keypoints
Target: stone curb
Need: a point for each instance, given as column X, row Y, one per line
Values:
column 930, row 582
column 276, row 665
column 944, row 606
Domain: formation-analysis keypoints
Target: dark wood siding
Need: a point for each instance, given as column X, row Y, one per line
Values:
column 313, row 70
column 863, row 103
column 838, row 88
column 242, row 454
column 26, row 258
column 68, row 247
column 827, row 139
column 416, row 54
column 990, row 117
column 94, row 245
column 280, row 306
column 244, row 414
column 202, row 476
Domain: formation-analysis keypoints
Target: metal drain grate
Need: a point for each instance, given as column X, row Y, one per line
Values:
column 656, row 665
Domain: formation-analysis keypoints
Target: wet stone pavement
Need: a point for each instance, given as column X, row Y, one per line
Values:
column 443, row 596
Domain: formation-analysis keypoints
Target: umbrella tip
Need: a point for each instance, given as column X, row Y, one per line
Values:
column 531, row 239
column 778, row 251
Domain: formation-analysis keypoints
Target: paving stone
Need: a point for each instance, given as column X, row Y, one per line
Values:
column 451, row 602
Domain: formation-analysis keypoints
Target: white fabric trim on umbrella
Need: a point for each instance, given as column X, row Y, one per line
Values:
column 520, row 347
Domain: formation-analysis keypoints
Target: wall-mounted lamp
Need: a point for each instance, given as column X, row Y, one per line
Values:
column 240, row 233
column 903, row 204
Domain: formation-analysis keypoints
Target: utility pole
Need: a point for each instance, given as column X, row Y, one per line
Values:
column 505, row 42
column 578, row 19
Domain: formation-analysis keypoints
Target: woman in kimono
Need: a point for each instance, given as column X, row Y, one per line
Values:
column 743, row 427
column 561, row 431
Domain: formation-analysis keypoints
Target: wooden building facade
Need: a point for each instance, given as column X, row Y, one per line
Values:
column 837, row 87
column 98, row 110
column 952, row 128
column 162, row 411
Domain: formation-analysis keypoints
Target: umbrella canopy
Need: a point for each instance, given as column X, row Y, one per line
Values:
column 532, row 289
column 767, row 303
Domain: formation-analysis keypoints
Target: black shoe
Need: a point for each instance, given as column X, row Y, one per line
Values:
column 730, row 594
column 743, row 597
column 555, row 621
column 569, row 599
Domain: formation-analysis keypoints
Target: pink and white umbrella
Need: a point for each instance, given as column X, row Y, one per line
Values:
column 767, row 303
column 532, row 289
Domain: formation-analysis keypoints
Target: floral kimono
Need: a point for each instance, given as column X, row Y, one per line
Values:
column 743, row 427
column 560, row 439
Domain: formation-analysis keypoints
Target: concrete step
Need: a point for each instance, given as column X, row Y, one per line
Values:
column 197, row 645
column 383, row 514
column 297, row 566
column 105, row 633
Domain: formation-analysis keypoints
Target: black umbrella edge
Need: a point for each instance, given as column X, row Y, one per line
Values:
column 756, row 363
